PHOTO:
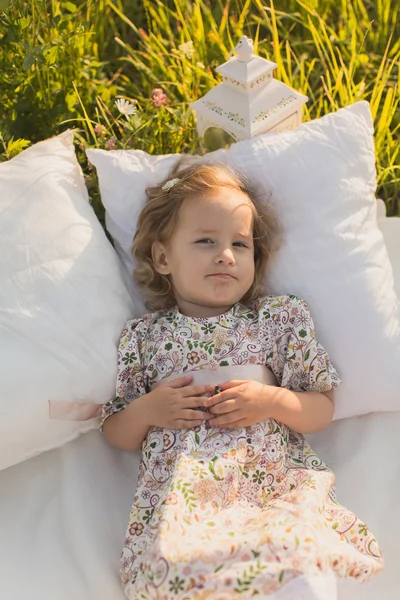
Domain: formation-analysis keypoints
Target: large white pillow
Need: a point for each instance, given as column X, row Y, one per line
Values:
column 63, row 303
column 322, row 180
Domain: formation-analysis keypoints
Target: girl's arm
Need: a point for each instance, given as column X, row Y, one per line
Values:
column 304, row 412
column 300, row 362
column 127, row 428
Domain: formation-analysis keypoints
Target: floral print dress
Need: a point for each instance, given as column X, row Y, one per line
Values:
column 233, row 513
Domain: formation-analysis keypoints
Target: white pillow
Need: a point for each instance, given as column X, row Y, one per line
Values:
column 63, row 303
column 322, row 180
column 390, row 228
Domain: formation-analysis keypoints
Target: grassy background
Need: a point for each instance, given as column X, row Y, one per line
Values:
column 65, row 63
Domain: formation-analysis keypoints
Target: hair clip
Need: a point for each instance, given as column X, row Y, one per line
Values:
column 170, row 184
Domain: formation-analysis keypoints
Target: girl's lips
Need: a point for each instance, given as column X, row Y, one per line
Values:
column 223, row 275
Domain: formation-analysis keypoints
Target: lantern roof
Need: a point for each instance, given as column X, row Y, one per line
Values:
column 246, row 71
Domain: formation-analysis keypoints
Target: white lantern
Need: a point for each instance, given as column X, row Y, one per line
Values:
column 249, row 101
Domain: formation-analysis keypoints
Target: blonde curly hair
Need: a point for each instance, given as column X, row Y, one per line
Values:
column 159, row 217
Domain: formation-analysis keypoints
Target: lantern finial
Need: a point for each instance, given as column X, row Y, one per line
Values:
column 244, row 49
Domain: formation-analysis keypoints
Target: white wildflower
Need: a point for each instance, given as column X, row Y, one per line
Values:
column 125, row 107
column 187, row 49
column 200, row 65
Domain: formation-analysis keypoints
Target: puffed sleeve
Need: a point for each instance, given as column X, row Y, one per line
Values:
column 130, row 377
column 297, row 359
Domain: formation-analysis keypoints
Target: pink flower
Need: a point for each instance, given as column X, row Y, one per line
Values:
column 111, row 143
column 159, row 98
column 172, row 498
column 100, row 129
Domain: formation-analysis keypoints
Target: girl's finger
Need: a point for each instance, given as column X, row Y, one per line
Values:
column 189, row 414
column 230, row 384
column 178, row 383
column 218, row 398
column 224, row 407
column 197, row 390
column 226, row 420
column 194, row 402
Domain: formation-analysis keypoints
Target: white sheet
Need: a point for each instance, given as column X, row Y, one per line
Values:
column 64, row 513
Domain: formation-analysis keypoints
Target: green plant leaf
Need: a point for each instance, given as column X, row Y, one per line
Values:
column 72, row 8
column 14, row 147
column 51, row 55
column 23, row 23
column 11, row 36
column 29, row 60
column 71, row 99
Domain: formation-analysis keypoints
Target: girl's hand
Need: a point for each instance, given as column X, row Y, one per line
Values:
column 172, row 405
column 241, row 403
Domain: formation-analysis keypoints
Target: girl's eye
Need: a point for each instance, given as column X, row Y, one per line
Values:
column 209, row 241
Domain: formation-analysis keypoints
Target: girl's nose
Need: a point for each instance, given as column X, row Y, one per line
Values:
column 226, row 256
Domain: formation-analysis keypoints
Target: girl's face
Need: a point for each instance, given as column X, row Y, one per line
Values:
column 210, row 257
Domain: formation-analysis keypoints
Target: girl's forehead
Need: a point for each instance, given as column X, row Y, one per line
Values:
column 224, row 200
column 211, row 211
column 217, row 214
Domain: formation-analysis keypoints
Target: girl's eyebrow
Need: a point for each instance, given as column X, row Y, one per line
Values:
column 211, row 231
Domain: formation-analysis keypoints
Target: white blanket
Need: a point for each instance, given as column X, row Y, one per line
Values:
column 64, row 513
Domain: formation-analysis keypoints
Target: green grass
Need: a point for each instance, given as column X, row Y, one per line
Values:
column 65, row 63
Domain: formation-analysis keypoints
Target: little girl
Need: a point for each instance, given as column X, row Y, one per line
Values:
column 217, row 385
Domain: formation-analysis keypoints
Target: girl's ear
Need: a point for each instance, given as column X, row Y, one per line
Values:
column 160, row 259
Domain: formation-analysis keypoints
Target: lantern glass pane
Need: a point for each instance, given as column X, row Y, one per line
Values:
column 215, row 138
